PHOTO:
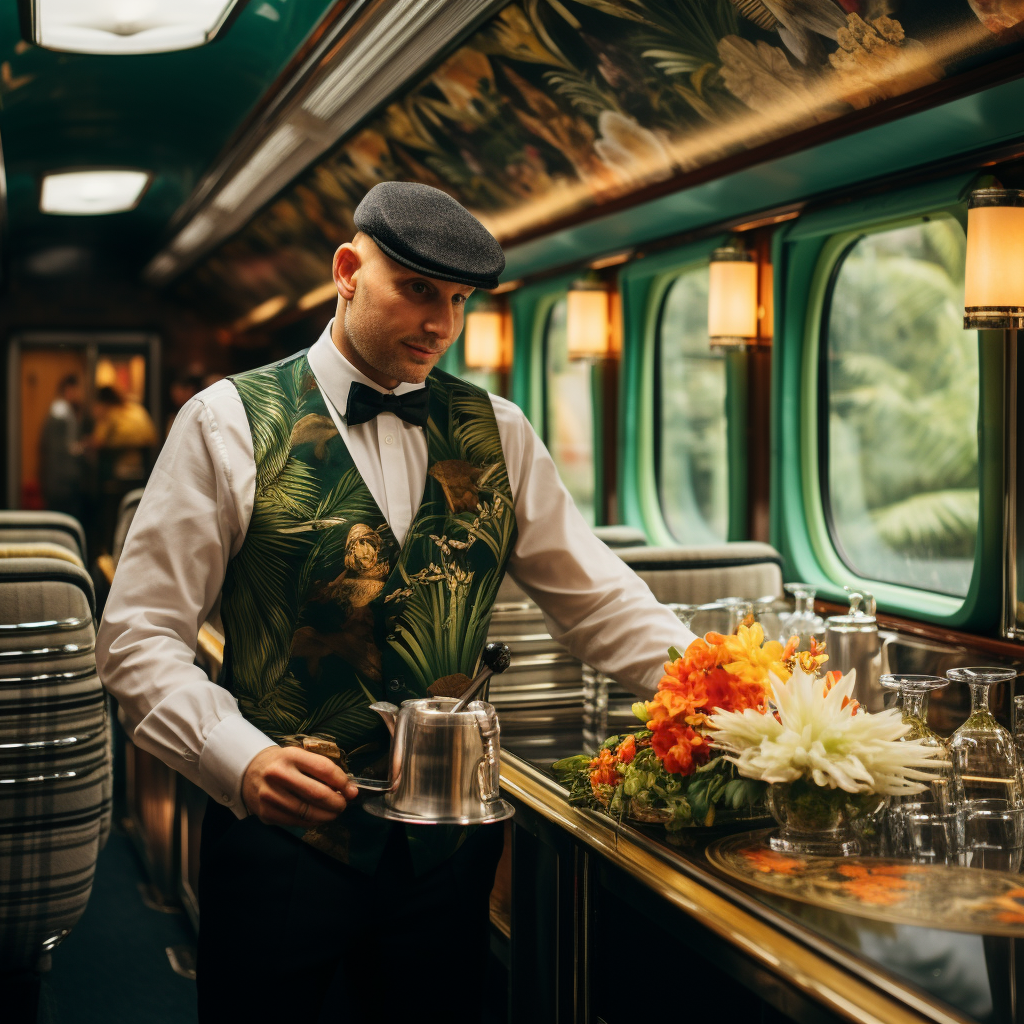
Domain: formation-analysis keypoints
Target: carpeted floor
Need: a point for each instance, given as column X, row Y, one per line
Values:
column 113, row 967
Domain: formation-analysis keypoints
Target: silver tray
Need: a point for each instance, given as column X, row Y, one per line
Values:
column 377, row 807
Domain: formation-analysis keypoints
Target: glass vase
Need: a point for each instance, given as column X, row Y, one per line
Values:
column 814, row 819
column 983, row 754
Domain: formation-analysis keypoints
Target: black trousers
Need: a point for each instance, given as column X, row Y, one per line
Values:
column 288, row 933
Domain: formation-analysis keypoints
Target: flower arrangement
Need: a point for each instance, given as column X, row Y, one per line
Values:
column 669, row 772
column 819, row 734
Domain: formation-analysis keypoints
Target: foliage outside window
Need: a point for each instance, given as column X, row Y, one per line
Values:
column 693, row 465
column 569, row 413
column 901, row 378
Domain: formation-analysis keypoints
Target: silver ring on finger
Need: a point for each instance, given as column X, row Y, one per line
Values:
column 302, row 811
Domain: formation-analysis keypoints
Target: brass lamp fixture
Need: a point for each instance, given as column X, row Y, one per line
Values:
column 732, row 298
column 588, row 319
column 994, row 300
column 487, row 336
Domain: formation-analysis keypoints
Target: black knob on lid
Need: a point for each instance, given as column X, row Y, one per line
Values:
column 497, row 657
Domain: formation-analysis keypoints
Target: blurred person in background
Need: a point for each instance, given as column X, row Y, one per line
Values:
column 124, row 440
column 60, row 450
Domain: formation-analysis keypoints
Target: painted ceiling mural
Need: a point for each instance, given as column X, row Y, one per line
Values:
column 556, row 106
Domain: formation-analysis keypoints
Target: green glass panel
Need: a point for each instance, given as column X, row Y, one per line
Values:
column 569, row 420
column 902, row 382
column 693, row 465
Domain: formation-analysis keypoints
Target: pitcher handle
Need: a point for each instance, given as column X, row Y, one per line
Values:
column 375, row 785
column 487, row 766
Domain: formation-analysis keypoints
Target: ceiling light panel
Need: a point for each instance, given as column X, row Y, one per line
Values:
column 390, row 43
column 127, row 26
column 88, row 193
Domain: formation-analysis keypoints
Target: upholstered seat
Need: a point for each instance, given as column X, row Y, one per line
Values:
column 125, row 515
column 55, row 768
column 30, row 527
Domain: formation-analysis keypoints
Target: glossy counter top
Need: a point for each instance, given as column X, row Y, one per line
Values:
column 861, row 969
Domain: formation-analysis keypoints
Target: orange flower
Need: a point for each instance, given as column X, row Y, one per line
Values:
column 768, row 862
column 626, row 750
column 883, row 885
column 602, row 770
column 680, row 747
column 746, row 655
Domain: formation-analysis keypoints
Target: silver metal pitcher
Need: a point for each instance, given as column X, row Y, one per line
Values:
column 852, row 642
column 444, row 766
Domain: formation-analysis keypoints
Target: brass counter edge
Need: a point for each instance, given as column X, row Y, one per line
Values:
column 811, row 973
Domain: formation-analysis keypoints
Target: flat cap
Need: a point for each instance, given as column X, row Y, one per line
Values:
column 426, row 230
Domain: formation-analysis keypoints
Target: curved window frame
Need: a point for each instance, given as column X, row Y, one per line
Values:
column 809, row 251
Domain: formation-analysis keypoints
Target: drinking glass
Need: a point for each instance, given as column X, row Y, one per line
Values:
column 802, row 622
column 739, row 608
column 713, row 617
column 595, row 707
column 927, row 833
column 913, row 691
column 683, row 612
column 1018, row 735
column 768, row 611
column 983, row 753
column 994, row 834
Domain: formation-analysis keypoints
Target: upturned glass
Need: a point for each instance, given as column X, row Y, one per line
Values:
column 985, row 765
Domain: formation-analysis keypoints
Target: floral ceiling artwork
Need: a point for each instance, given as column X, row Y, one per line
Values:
column 559, row 106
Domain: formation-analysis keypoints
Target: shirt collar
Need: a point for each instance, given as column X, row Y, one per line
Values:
column 335, row 374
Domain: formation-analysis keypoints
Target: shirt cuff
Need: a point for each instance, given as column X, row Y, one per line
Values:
column 226, row 754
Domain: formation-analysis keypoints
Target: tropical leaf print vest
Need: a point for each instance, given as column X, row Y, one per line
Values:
column 325, row 613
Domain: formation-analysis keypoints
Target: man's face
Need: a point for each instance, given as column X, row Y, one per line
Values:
column 400, row 322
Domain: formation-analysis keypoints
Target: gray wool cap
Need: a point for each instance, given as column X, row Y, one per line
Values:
column 426, row 230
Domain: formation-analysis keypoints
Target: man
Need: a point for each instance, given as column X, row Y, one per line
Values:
column 353, row 511
column 60, row 450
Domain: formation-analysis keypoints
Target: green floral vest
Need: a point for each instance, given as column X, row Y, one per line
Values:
column 325, row 613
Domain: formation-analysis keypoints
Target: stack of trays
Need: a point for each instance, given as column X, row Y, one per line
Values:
column 539, row 698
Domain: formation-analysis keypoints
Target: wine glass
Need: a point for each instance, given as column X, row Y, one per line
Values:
column 684, row 612
column 984, row 757
column 739, row 609
column 802, row 622
column 913, row 692
column 768, row 611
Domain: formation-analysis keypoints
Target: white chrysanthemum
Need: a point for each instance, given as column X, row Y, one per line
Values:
column 815, row 737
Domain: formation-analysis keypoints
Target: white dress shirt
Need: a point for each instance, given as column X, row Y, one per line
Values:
column 193, row 518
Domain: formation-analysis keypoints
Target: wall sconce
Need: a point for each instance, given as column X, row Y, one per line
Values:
column 588, row 320
column 487, row 339
column 994, row 278
column 732, row 298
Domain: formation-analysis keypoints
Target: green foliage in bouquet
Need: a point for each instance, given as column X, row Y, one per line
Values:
column 625, row 778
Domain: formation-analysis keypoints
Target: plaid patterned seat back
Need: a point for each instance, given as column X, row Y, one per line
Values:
column 55, row 773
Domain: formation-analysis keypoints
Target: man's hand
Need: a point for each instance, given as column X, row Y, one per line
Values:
column 291, row 786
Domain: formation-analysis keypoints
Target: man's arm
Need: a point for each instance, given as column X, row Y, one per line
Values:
column 593, row 603
column 190, row 521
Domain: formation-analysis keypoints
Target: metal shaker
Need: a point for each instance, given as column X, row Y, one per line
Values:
column 852, row 642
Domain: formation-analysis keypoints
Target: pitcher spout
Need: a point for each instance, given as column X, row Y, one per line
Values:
column 388, row 712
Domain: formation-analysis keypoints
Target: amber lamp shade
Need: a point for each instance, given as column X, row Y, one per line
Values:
column 588, row 321
column 732, row 298
column 485, row 340
column 994, row 278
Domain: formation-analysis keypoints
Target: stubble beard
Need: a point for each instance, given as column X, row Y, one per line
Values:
column 370, row 338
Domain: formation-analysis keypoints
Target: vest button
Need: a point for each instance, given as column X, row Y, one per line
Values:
column 394, row 685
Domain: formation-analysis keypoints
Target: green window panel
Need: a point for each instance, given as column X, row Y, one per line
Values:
column 886, row 469
column 683, row 423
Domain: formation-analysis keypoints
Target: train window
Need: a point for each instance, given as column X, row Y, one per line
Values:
column 900, row 382
column 692, row 427
column 569, row 413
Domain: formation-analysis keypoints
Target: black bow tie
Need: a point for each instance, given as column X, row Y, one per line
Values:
column 365, row 402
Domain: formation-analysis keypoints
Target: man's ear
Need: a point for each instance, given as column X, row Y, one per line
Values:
column 347, row 262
